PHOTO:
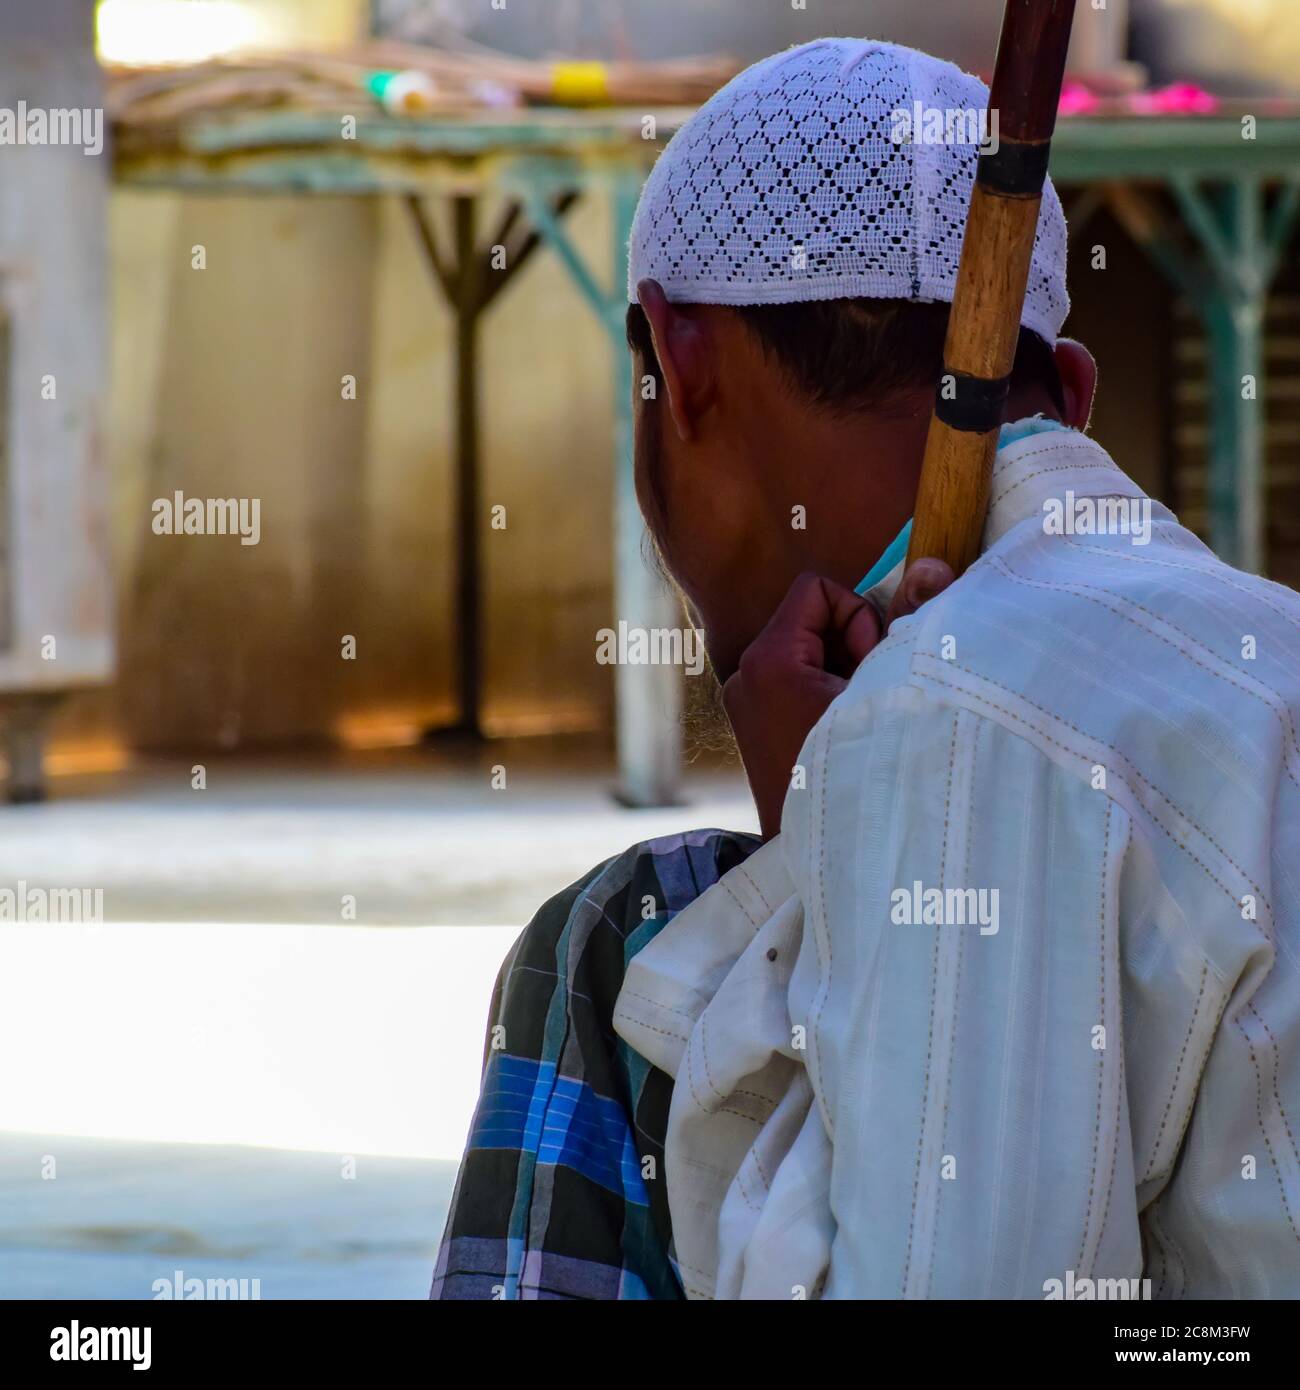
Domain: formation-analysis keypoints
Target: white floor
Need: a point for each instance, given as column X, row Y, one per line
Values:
column 412, row 837
column 340, row 1039
column 120, row 1215
column 187, row 1086
column 322, row 1046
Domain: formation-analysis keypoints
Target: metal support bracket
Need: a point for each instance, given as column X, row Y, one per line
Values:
column 470, row 283
column 647, row 698
column 1239, row 242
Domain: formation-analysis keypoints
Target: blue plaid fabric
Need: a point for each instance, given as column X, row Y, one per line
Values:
column 561, row 1193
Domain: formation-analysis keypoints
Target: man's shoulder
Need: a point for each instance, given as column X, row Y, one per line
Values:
column 1045, row 609
column 552, row 1199
column 610, row 913
column 1099, row 649
column 1039, row 610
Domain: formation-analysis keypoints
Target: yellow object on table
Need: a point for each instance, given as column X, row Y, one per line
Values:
column 580, row 84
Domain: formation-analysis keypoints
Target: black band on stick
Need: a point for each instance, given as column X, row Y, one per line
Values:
column 971, row 404
column 996, row 257
column 1015, row 169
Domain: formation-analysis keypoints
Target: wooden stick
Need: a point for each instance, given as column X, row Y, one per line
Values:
column 984, row 326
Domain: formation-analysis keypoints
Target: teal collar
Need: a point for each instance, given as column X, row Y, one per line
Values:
column 896, row 551
column 895, row 554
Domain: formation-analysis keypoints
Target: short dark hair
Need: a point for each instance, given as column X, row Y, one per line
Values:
column 849, row 355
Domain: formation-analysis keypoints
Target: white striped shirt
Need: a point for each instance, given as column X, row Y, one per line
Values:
column 1089, row 746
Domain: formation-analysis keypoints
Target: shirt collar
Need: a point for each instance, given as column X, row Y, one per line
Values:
column 1037, row 460
column 1039, row 467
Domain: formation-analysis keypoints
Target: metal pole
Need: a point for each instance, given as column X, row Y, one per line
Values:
column 1236, row 475
column 648, row 699
column 469, row 627
column 1246, row 213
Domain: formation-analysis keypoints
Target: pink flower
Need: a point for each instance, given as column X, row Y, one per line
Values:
column 1178, row 99
column 1077, row 100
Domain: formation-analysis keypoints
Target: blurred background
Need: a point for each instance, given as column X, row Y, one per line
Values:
column 364, row 262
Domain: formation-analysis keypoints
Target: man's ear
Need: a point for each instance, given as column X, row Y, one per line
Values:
column 682, row 347
column 1078, row 371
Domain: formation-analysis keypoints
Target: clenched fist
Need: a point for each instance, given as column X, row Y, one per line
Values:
column 798, row 664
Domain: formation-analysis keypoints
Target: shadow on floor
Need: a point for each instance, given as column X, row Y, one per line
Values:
column 107, row 1218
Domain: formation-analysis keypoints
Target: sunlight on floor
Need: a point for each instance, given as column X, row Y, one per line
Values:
column 338, row 1039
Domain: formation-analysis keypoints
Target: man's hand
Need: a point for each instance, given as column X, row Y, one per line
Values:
column 798, row 664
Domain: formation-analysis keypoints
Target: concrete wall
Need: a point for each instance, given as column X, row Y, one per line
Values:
column 55, row 603
column 226, row 381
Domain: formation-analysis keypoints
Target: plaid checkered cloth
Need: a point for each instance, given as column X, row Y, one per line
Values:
column 560, row 1192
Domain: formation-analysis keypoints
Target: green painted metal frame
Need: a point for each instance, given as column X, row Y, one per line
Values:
column 1219, row 172
column 1219, row 181
column 648, row 698
column 470, row 281
column 1242, row 241
column 1088, row 149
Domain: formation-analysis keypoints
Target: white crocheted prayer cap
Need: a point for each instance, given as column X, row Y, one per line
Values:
column 792, row 183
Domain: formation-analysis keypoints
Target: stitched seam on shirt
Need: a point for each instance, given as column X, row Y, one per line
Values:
column 745, row 1115
column 758, row 1163
column 650, row 1028
column 1061, row 468
column 1074, row 752
column 700, row 1100
column 1276, row 1096
column 689, row 1268
column 754, row 1095
column 702, row 1028
column 934, row 991
column 1191, row 1102
column 758, row 893
column 1263, row 1129
column 818, row 1006
column 744, row 1194
column 1114, row 1145
column 711, row 1170
column 947, row 1103
column 748, row 916
column 1167, row 1249
column 1101, row 1056
column 1178, row 1071
column 743, row 1190
column 769, row 1101
column 1078, row 454
column 648, row 999
column 1206, row 570
column 1283, row 716
column 961, row 953
column 1158, row 1240
column 1058, row 444
column 1010, row 714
